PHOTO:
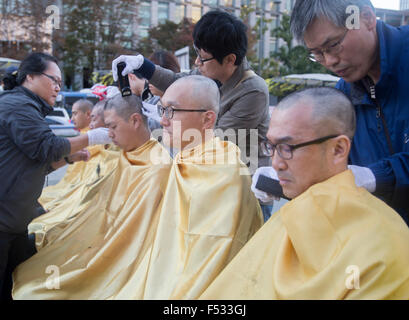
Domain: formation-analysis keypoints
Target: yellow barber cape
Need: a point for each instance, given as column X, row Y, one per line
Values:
column 73, row 198
column 76, row 175
column 102, row 250
column 335, row 241
column 208, row 214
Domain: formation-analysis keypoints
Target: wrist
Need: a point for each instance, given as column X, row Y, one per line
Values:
column 147, row 69
column 68, row 160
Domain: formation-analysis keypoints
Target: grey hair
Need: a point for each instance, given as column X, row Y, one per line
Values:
column 204, row 90
column 305, row 11
column 99, row 106
column 125, row 106
column 331, row 109
column 84, row 105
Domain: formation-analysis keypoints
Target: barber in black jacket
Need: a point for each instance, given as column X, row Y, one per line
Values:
column 28, row 152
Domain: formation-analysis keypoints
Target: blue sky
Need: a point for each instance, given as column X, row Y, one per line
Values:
column 387, row 4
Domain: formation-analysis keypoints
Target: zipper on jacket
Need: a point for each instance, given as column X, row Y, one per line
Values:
column 378, row 108
column 381, row 118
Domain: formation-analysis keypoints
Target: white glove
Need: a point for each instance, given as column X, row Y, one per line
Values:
column 364, row 177
column 98, row 136
column 132, row 63
column 151, row 111
column 261, row 195
column 112, row 91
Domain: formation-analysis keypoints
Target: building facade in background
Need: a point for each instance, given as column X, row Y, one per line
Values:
column 395, row 18
column 404, row 4
column 154, row 12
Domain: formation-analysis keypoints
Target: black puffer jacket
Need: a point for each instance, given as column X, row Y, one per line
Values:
column 27, row 149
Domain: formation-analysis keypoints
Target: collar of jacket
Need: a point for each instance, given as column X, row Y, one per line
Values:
column 390, row 49
column 41, row 105
column 236, row 77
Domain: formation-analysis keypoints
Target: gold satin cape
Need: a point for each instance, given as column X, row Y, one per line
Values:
column 208, row 214
column 77, row 175
column 51, row 196
column 313, row 246
column 103, row 248
column 66, row 199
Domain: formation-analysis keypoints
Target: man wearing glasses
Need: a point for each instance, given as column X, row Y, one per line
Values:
column 334, row 240
column 220, row 42
column 372, row 58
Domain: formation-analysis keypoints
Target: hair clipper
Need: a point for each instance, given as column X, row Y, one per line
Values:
column 123, row 80
column 270, row 186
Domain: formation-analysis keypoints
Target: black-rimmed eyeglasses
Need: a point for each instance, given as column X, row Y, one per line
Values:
column 170, row 110
column 285, row 151
column 202, row 61
column 55, row 81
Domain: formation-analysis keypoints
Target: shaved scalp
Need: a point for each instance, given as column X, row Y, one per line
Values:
column 84, row 105
column 99, row 108
column 333, row 112
column 203, row 90
column 125, row 106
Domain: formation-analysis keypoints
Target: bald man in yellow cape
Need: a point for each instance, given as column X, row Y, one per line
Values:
column 334, row 240
column 74, row 198
column 209, row 211
column 103, row 249
column 80, row 173
column 64, row 200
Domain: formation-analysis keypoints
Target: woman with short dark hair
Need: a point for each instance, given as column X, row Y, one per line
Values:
column 28, row 152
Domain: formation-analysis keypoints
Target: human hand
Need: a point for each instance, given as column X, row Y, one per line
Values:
column 261, row 195
column 364, row 177
column 98, row 136
column 132, row 63
column 82, row 155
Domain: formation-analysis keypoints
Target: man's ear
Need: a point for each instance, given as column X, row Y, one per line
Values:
column 230, row 59
column 368, row 17
column 340, row 149
column 29, row 77
column 209, row 119
column 136, row 120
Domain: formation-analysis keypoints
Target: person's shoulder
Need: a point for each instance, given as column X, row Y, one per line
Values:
column 12, row 100
column 252, row 82
column 342, row 85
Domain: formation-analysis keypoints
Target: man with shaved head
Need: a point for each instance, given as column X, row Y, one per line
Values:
column 208, row 211
column 333, row 240
column 101, row 250
column 97, row 115
column 79, row 174
column 128, row 127
column 81, row 114
column 371, row 57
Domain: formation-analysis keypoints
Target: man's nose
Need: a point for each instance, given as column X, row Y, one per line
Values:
column 197, row 61
column 278, row 163
column 331, row 60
